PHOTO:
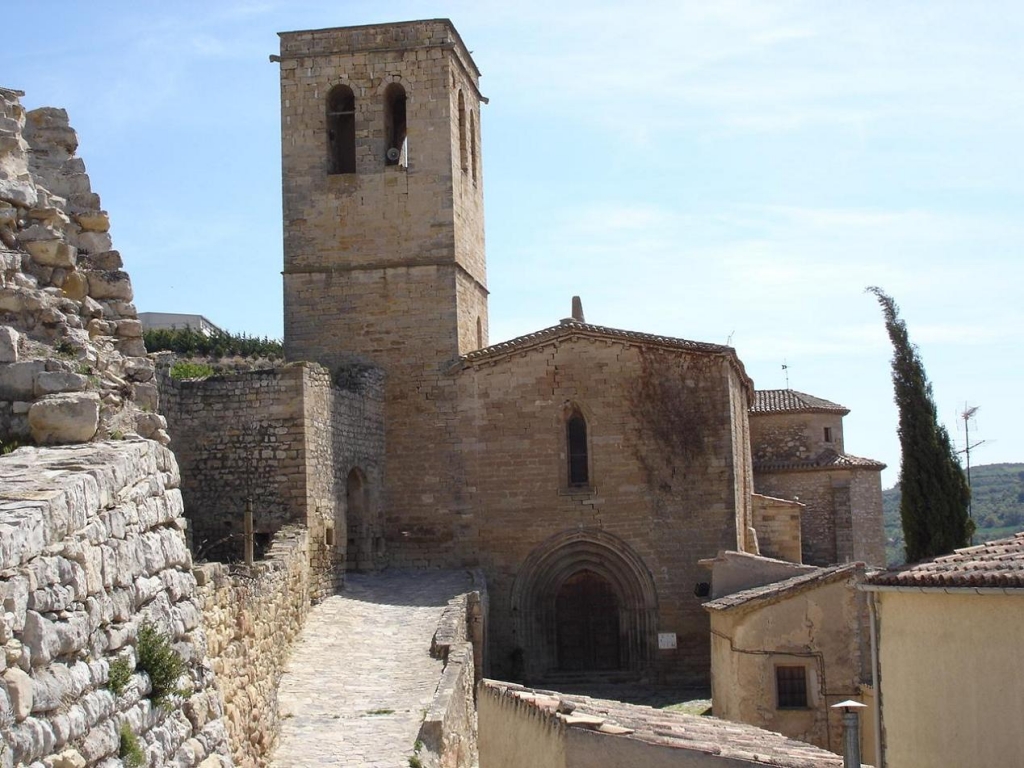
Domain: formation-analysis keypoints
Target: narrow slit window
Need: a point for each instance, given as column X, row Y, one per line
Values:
column 341, row 130
column 828, row 434
column 463, row 147
column 396, row 150
column 472, row 144
column 576, row 444
column 791, row 687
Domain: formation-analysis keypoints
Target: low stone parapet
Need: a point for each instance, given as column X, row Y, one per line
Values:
column 448, row 734
column 252, row 615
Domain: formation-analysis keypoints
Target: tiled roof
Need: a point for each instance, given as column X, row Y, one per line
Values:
column 785, row 588
column 828, row 459
column 706, row 735
column 995, row 564
column 576, row 328
column 791, row 401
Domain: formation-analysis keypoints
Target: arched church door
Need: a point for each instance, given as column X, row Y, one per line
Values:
column 587, row 624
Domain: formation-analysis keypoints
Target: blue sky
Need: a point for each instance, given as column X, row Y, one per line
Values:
column 728, row 172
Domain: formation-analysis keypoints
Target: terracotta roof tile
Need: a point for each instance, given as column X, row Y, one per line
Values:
column 780, row 589
column 791, row 401
column 574, row 327
column 994, row 564
column 707, row 735
column 828, row 459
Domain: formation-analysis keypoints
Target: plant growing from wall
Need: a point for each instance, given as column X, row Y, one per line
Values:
column 673, row 423
column 119, row 675
column 129, row 749
column 185, row 369
column 159, row 660
column 935, row 497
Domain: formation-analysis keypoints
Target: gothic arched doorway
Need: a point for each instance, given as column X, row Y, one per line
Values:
column 587, row 624
column 583, row 601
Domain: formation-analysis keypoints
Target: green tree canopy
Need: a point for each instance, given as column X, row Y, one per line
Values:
column 935, row 496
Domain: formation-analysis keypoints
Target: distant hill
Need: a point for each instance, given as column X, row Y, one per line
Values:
column 998, row 507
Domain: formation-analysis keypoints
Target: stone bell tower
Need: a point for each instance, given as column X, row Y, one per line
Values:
column 384, row 243
column 383, row 196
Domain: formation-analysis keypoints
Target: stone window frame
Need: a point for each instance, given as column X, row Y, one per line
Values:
column 570, row 410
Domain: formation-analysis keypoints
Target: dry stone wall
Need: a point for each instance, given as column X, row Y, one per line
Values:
column 72, row 361
column 252, row 615
column 91, row 549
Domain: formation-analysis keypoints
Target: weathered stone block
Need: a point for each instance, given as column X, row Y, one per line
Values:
column 8, row 344
column 52, row 253
column 109, row 284
column 18, row 380
column 19, row 689
column 54, row 382
column 62, row 419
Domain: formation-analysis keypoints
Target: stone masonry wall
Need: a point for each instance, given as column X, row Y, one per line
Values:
column 238, row 437
column 387, row 264
column 794, row 436
column 252, row 616
column 287, row 438
column 91, row 548
column 777, row 522
column 669, row 504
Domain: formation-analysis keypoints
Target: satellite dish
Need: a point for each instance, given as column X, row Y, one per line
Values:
column 393, row 154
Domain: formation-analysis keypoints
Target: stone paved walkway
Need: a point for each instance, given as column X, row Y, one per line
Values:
column 360, row 677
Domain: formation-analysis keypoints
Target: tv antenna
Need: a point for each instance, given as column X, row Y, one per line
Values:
column 785, row 370
column 968, row 414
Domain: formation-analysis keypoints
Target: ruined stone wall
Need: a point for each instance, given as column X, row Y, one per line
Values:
column 661, row 486
column 91, row 548
column 252, row 616
column 286, row 438
column 777, row 522
column 72, row 361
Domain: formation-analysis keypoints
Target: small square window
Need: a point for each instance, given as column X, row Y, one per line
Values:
column 828, row 434
column 791, row 687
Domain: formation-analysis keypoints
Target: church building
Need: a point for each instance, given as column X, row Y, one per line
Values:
column 585, row 470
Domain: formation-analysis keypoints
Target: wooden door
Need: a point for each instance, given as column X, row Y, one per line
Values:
column 587, row 624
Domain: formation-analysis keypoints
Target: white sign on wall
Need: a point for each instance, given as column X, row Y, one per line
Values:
column 666, row 641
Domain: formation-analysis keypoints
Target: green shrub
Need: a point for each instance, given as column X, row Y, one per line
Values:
column 185, row 341
column 130, row 751
column 119, row 675
column 183, row 369
column 159, row 660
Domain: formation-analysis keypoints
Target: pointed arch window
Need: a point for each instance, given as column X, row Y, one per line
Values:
column 341, row 130
column 576, row 449
column 396, row 150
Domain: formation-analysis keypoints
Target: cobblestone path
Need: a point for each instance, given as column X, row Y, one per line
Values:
column 360, row 676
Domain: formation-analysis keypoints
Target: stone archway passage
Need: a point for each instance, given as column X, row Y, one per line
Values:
column 587, row 624
column 566, row 577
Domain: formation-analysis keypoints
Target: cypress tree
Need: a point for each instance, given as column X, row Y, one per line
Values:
column 934, row 494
